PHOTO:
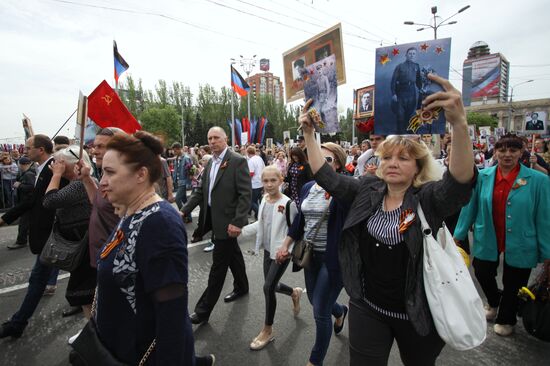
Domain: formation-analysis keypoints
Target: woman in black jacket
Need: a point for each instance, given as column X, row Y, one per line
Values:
column 380, row 249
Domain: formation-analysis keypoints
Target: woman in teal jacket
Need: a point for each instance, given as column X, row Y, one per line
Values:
column 509, row 212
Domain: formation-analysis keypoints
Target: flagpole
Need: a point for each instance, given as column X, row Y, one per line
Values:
column 232, row 121
column 63, row 125
column 353, row 118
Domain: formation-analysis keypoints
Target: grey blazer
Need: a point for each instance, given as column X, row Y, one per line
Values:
column 231, row 194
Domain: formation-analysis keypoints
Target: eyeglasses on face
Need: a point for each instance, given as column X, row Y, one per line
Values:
column 329, row 159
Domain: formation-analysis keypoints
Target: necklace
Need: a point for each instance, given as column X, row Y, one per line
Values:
column 119, row 234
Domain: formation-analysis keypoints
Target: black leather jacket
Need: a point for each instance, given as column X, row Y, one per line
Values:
column 438, row 199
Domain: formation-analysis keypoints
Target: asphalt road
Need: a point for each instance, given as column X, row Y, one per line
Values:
column 231, row 327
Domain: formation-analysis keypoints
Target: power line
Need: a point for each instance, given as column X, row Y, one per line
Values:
column 280, row 23
column 380, row 38
column 160, row 15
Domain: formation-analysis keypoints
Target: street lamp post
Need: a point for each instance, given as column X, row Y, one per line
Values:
column 231, row 92
column 182, row 124
column 510, row 109
column 436, row 25
column 248, row 65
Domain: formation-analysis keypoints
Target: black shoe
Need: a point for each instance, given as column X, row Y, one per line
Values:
column 73, row 310
column 16, row 245
column 338, row 329
column 7, row 329
column 196, row 319
column 209, row 360
column 233, row 295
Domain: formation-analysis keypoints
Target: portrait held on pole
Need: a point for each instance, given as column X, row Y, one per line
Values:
column 321, row 86
column 535, row 121
column 365, row 102
column 317, row 48
column 402, row 83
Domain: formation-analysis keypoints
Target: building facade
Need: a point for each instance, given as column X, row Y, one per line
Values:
column 514, row 116
column 265, row 83
column 485, row 76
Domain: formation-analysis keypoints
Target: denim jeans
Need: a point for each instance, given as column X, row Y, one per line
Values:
column 255, row 200
column 52, row 281
column 7, row 192
column 40, row 275
column 322, row 292
column 181, row 197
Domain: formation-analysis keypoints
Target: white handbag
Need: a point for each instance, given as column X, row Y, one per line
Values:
column 457, row 309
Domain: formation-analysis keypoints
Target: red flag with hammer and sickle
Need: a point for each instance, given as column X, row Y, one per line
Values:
column 107, row 110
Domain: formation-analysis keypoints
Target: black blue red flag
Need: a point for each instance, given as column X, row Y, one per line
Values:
column 238, row 83
column 120, row 64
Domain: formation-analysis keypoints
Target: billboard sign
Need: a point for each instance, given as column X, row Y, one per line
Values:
column 264, row 64
column 486, row 77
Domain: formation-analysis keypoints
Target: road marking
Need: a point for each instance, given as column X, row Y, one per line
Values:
column 66, row 275
column 25, row 285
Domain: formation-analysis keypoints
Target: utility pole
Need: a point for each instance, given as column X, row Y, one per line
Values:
column 510, row 109
column 182, row 124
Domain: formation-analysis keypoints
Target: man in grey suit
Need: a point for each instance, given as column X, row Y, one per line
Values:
column 225, row 192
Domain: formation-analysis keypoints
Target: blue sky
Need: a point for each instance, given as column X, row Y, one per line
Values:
column 51, row 49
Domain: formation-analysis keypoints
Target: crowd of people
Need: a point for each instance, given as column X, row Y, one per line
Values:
column 349, row 204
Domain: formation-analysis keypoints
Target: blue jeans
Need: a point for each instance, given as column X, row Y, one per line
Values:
column 40, row 275
column 255, row 200
column 322, row 293
column 181, row 197
column 52, row 281
column 7, row 192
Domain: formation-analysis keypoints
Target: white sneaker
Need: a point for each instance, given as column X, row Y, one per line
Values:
column 503, row 330
column 490, row 313
column 209, row 248
column 71, row 339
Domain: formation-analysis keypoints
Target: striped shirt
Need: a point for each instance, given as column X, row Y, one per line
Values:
column 384, row 225
column 313, row 208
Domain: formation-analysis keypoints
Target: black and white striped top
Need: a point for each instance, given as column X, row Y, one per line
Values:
column 384, row 225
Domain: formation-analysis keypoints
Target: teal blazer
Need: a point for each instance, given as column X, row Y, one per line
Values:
column 527, row 219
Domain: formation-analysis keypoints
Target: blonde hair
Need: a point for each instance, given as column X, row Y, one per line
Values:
column 428, row 170
column 70, row 155
column 272, row 169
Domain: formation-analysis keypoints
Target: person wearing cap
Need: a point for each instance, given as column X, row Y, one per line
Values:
column 24, row 186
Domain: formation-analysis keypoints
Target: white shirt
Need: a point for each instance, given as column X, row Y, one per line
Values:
column 256, row 166
column 39, row 169
column 361, row 161
column 216, row 162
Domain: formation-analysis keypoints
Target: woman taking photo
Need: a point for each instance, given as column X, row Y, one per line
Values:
column 380, row 252
column 298, row 174
column 72, row 217
column 509, row 210
column 142, row 270
column 320, row 221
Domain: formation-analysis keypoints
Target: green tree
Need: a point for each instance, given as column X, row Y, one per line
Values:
column 481, row 119
column 162, row 121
